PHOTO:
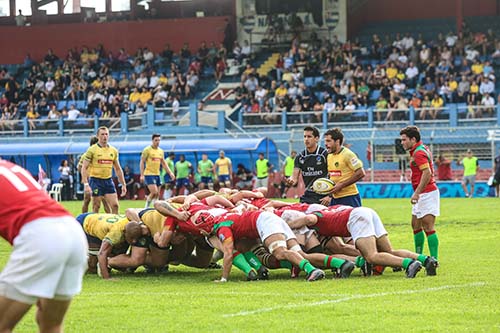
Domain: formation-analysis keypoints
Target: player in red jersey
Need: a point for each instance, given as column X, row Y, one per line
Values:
column 425, row 199
column 369, row 235
column 49, row 257
column 273, row 232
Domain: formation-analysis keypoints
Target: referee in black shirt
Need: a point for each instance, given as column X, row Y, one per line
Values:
column 312, row 164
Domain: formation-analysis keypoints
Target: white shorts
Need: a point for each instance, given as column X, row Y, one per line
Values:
column 48, row 260
column 365, row 222
column 269, row 224
column 428, row 204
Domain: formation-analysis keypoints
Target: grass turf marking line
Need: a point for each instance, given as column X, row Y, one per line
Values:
column 354, row 297
column 218, row 293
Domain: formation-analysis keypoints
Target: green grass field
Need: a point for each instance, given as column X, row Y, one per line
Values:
column 463, row 297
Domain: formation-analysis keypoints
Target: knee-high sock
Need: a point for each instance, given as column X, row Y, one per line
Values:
column 419, row 239
column 433, row 243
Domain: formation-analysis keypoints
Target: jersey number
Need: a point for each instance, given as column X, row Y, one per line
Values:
column 12, row 176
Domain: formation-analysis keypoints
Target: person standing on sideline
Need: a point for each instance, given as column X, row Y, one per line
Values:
column 65, row 179
column 49, row 257
column 20, row 19
column 425, row 198
column 443, row 168
column 224, row 170
column 262, row 169
column 471, row 165
column 206, row 171
column 344, row 168
column 311, row 163
column 369, row 155
column 287, row 172
column 169, row 183
column 152, row 158
column 496, row 176
column 102, row 157
column 183, row 169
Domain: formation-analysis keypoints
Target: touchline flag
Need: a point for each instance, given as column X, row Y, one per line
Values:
column 41, row 175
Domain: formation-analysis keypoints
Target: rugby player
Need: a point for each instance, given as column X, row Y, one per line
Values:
column 48, row 260
column 152, row 158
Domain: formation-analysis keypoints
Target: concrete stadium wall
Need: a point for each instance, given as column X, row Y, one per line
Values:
column 36, row 40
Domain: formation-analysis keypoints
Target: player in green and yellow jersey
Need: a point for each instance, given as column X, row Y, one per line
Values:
column 344, row 168
column 224, row 170
column 105, row 235
column 287, row 171
column 152, row 158
column 102, row 158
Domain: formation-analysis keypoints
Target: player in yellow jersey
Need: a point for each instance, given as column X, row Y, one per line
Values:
column 106, row 236
column 344, row 168
column 86, row 195
column 224, row 170
column 102, row 158
column 152, row 158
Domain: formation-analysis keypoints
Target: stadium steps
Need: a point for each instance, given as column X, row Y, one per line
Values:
column 268, row 65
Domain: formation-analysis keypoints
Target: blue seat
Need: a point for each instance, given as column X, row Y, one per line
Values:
column 159, row 115
column 309, row 81
column 61, row 105
column 81, row 104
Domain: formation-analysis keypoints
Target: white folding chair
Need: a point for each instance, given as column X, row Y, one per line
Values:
column 55, row 191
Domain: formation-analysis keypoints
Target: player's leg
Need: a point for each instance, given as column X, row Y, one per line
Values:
column 464, row 186
column 86, row 201
column 418, row 234
column 11, row 311
column 50, row 314
column 153, row 194
column 112, row 200
column 472, row 183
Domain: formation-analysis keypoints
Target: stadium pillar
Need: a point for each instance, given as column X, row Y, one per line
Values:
column 150, row 116
column 26, row 127
column 240, row 118
column 370, row 117
column 453, row 110
column 498, row 114
column 221, row 121
column 96, row 123
column 412, row 115
column 124, row 122
column 324, row 117
column 283, row 120
column 60, row 125
column 193, row 115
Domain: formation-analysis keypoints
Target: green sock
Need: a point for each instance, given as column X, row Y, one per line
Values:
column 285, row 264
column 253, row 260
column 360, row 261
column 331, row 262
column 422, row 258
column 240, row 262
column 406, row 262
column 433, row 242
column 419, row 239
column 306, row 266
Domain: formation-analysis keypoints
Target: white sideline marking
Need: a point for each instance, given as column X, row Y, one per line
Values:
column 353, row 297
column 218, row 293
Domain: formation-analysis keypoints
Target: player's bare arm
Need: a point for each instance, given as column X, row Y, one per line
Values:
column 424, row 180
column 85, row 176
column 303, row 221
column 227, row 262
column 121, row 178
column 102, row 258
column 358, row 175
column 141, row 168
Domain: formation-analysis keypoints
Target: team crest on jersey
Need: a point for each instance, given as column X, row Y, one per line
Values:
column 301, row 161
column 318, row 160
column 337, row 164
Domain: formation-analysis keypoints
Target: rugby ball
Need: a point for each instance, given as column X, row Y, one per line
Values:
column 323, row 186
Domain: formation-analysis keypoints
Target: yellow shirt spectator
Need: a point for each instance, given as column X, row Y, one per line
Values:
column 477, row 68
column 101, row 160
column 391, row 72
column 134, row 97
column 145, row 97
column 437, row 102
